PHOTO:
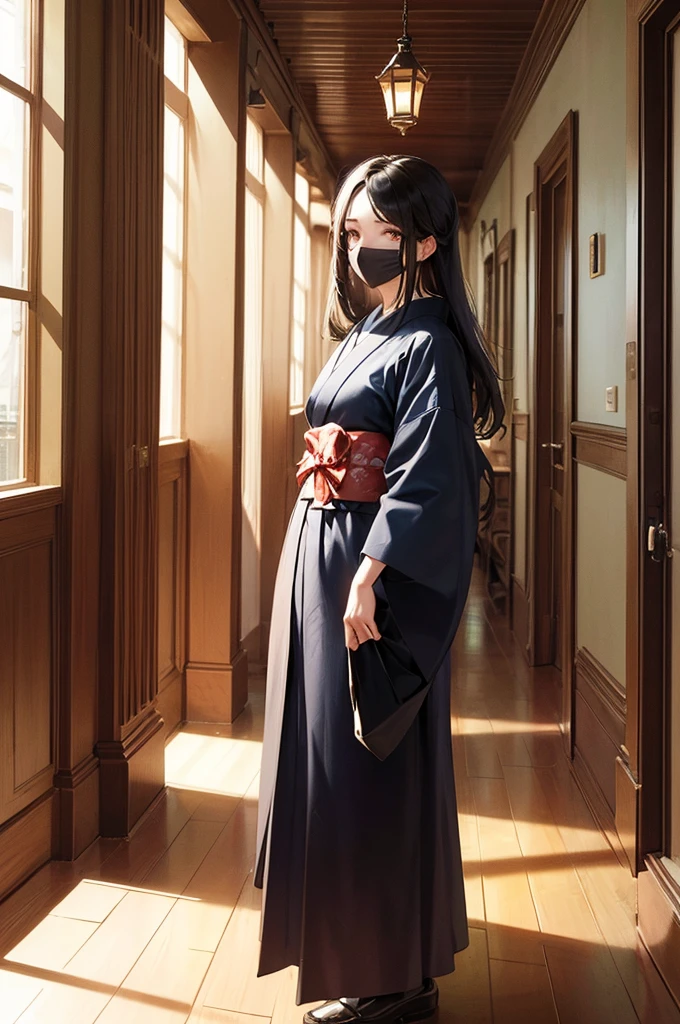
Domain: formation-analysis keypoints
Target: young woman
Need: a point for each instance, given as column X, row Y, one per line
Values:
column 358, row 850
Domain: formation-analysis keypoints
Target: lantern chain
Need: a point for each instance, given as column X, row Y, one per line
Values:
column 405, row 17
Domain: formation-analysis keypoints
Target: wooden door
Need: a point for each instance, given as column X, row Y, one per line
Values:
column 552, row 401
column 665, row 539
column 551, row 567
column 554, row 447
column 648, row 783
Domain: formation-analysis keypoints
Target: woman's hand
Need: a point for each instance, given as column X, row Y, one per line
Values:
column 359, row 615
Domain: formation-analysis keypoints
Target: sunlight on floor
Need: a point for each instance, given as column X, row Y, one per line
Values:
column 212, row 764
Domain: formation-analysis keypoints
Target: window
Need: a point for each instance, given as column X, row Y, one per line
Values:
column 18, row 256
column 301, row 285
column 174, row 209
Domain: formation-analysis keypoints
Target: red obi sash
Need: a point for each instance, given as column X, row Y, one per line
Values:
column 347, row 464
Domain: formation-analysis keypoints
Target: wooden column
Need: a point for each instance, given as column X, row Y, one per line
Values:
column 130, row 744
column 277, row 462
column 216, row 672
column 77, row 777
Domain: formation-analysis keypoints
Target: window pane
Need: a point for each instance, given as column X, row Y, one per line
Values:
column 251, row 459
column 13, row 321
column 254, row 149
column 173, row 276
column 301, row 276
column 302, row 192
column 175, row 63
column 14, row 137
column 15, row 26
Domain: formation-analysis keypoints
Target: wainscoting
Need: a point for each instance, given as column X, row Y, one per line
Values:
column 599, row 731
column 28, row 698
column 600, row 446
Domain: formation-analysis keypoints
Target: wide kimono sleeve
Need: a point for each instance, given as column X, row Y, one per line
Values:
column 424, row 532
column 426, row 526
column 427, row 520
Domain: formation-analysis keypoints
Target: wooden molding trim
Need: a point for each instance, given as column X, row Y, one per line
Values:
column 608, row 689
column 29, row 499
column 601, row 447
column 659, row 920
column 183, row 21
column 73, row 777
column 169, row 451
column 554, row 24
column 78, row 790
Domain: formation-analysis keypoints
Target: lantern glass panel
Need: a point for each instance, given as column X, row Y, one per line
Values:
column 420, row 87
column 386, row 86
column 402, row 90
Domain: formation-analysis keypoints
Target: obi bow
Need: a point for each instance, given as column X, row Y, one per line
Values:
column 333, row 453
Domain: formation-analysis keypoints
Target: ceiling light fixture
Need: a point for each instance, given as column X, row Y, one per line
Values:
column 402, row 82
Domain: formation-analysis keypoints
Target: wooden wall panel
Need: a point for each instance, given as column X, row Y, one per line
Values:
column 27, row 663
column 28, row 577
column 130, row 727
column 28, row 681
column 27, row 842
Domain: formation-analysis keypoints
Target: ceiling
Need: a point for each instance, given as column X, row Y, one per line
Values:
column 473, row 49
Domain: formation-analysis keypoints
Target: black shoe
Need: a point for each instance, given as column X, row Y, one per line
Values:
column 397, row 1008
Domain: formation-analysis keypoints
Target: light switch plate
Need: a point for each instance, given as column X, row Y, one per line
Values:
column 611, row 399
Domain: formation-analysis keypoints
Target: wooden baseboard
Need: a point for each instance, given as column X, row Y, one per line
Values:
column 132, row 772
column 599, row 722
column 599, row 808
column 520, row 615
column 78, row 801
column 659, row 920
column 627, row 810
column 27, row 841
column 217, row 693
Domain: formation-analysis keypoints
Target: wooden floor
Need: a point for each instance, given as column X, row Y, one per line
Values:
column 164, row 926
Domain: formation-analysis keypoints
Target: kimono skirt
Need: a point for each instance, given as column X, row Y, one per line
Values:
column 359, row 859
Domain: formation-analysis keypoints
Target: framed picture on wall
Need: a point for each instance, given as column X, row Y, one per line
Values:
column 488, row 241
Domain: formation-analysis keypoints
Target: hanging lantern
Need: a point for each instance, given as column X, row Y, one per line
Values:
column 403, row 82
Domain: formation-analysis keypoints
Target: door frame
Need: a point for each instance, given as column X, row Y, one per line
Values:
column 560, row 152
column 643, row 762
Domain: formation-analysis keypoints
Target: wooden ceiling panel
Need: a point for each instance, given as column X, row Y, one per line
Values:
column 473, row 49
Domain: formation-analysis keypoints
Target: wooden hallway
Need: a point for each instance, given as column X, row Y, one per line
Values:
column 163, row 927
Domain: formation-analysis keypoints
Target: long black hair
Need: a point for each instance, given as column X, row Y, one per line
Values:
column 413, row 195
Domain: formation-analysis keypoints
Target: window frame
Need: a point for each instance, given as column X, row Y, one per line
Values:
column 32, row 96
column 304, row 216
column 178, row 102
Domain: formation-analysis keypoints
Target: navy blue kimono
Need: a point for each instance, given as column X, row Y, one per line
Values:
column 359, row 858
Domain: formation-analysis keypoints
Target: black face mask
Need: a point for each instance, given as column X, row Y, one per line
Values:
column 377, row 266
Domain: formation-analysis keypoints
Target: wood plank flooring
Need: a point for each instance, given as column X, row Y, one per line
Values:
column 163, row 927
